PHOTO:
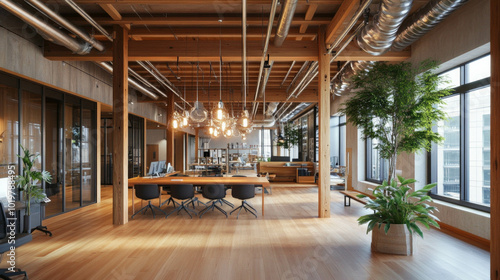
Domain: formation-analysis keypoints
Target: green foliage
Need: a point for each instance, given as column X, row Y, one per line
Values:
column 291, row 137
column 27, row 182
column 395, row 204
column 398, row 104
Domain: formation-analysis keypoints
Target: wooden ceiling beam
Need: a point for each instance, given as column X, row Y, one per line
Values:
column 340, row 20
column 278, row 95
column 309, row 15
column 173, row 51
column 204, row 2
column 197, row 21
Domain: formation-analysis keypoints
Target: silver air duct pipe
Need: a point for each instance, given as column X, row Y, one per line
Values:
column 133, row 83
column 271, row 108
column 89, row 19
column 424, row 20
column 66, row 24
column 259, row 121
column 284, row 22
column 267, row 73
column 351, row 69
column 377, row 37
column 272, row 14
column 47, row 31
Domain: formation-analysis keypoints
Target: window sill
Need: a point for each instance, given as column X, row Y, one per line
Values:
column 461, row 208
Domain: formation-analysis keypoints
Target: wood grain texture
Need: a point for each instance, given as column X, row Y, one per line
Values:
column 340, row 20
column 120, row 123
column 495, row 139
column 170, row 130
column 324, row 127
column 98, row 152
column 288, row 243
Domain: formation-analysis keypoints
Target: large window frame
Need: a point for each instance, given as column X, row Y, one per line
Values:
column 462, row 91
column 382, row 163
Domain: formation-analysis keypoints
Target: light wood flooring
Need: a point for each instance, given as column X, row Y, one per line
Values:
column 288, row 243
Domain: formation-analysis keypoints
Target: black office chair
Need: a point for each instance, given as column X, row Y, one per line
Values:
column 244, row 192
column 167, row 189
column 185, row 193
column 21, row 239
column 147, row 192
column 215, row 193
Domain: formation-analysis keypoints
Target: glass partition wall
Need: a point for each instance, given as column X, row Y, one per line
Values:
column 59, row 127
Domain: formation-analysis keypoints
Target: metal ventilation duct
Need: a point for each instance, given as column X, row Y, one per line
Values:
column 284, row 22
column 354, row 68
column 47, row 31
column 66, row 24
column 422, row 21
column 133, row 83
column 377, row 37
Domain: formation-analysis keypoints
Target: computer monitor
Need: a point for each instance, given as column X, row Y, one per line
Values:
column 170, row 168
column 152, row 168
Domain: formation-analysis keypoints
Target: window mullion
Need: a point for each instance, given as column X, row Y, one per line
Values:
column 464, row 155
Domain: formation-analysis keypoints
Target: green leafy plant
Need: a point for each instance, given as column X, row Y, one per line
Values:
column 27, row 182
column 290, row 138
column 395, row 204
column 397, row 105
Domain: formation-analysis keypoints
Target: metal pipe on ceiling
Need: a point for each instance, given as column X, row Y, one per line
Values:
column 272, row 14
column 424, row 20
column 244, row 51
column 133, row 83
column 377, row 37
column 103, row 31
column 66, row 24
column 284, row 22
column 287, row 73
column 89, row 19
column 267, row 73
column 48, row 32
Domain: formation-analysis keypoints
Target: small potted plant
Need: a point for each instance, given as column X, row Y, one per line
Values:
column 397, row 213
column 27, row 183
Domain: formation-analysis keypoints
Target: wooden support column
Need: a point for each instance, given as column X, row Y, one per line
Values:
column 98, row 148
column 324, row 126
column 120, row 122
column 196, row 143
column 170, row 130
column 495, row 139
column 144, row 159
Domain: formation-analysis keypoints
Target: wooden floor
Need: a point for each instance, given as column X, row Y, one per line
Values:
column 288, row 243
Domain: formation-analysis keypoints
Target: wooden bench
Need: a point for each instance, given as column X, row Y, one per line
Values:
column 285, row 171
column 353, row 195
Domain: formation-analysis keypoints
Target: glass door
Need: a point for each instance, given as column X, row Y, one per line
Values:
column 72, row 153
column 54, row 152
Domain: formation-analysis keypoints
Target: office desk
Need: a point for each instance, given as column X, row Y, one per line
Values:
column 200, row 181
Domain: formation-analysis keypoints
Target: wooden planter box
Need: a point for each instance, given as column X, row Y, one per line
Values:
column 398, row 240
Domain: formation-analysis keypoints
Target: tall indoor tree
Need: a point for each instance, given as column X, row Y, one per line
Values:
column 398, row 105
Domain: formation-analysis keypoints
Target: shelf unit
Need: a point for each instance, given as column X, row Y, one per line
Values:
column 213, row 158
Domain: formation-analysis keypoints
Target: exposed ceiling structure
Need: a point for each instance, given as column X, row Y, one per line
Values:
column 179, row 45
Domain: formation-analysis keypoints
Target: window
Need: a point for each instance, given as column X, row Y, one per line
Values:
column 337, row 140
column 377, row 168
column 461, row 164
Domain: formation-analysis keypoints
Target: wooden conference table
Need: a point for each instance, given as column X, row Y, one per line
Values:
column 199, row 181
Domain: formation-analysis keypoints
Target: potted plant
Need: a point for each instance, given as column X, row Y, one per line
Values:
column 397, row 105
column 399, row 209
column 27, row 183
column 290, row 138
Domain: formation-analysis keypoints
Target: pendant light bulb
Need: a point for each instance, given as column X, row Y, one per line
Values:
column 175, row 124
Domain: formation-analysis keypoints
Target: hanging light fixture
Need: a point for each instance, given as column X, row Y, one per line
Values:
column 220, row 112
column 244, row 121
column 198, row 114
column 281, row 140
column 176, row 120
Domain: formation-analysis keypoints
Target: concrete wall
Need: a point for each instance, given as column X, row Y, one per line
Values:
column 21, row 56
column 157, row 137
column 461, row 37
